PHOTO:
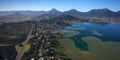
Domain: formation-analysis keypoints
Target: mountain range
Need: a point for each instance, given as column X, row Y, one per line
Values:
column 98, row 13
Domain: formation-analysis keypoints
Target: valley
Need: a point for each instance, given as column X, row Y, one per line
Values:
column 69, row 35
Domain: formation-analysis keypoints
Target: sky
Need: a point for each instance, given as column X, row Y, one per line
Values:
column 61, row 5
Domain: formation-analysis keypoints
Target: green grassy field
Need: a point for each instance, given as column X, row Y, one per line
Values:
column 104, row 50
column 98, row 49
column 27, row 47
column 5, row 45
column 75, row 53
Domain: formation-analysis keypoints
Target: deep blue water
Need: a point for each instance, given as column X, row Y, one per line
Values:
column 110, row 32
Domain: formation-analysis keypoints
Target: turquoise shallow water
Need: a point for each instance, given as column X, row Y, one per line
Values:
column 110, row 32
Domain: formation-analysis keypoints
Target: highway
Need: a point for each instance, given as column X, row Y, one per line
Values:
column 21, row 49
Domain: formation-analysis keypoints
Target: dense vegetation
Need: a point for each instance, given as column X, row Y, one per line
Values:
column 12, row 34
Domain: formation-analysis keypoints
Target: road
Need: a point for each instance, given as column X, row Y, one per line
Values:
column 21, row 49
